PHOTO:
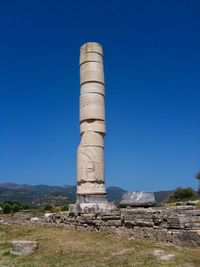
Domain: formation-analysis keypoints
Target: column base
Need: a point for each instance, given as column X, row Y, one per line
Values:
column 92, row 204
column 92, row 208
column 91, row 199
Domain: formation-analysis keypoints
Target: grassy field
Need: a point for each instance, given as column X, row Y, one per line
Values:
column 61, row 247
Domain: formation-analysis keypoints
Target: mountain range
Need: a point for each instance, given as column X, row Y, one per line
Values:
column 39, row 195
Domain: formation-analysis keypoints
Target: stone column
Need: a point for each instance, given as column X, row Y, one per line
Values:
column 90, row 156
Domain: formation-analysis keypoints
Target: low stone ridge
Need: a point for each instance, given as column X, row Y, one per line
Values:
column 138, row 199
column 177, row 225
column 23, row 247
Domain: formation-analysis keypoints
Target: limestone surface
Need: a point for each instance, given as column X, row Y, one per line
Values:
column 23, row 247
column 97, row 126
column 90, row 154
column 138, row 199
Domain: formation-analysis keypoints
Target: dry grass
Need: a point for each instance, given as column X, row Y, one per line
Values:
column 61, row 247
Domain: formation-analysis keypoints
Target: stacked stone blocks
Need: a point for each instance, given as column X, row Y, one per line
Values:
column 90, row 158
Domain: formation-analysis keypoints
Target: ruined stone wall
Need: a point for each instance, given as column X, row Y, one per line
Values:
column 178, row 225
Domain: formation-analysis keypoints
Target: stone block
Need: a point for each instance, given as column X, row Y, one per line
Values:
column 72, row 208
column 90, row 57
column 92, row 107
column 90, row 138
column 23, row 247
column 93, row 125
column 89, row 188
column 91, row 47
column 92, row 208
column 138, row 199
column 92, row 199
column 91, row 72
column 93, row 87
column 106, row 208
column 86, row 208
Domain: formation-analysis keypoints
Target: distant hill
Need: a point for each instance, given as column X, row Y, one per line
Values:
column 162, row 195
column 115, row 194
column 36, row 195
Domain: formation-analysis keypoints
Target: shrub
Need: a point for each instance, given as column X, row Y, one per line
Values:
column 16, row 208
column 7, row 208
column 57, row 209
column 183, row 194
column 64, row 208
column 48, row 208
column 26, row 207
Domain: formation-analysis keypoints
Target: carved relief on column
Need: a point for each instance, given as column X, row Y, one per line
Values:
column 90, row 166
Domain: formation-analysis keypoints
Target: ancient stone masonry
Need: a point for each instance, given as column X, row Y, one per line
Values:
column 176, row 225
column 92, row 211
column 90, row 156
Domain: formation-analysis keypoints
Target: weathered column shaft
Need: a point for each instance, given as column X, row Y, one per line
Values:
column 90, row 156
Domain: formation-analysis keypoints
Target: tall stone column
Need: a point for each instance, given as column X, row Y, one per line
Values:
column 90, row 155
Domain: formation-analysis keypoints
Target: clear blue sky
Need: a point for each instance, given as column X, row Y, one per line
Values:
column 152, row 65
